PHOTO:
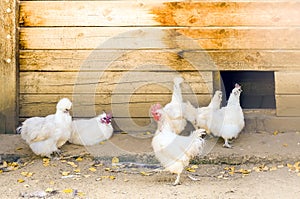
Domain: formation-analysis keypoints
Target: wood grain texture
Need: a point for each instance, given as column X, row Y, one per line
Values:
column 164, row 38
column 108, row 82
column 154, row 13
column 122, row 105
column 287, row 82
column 288, row 105
column 8, row 66
column 99, row 60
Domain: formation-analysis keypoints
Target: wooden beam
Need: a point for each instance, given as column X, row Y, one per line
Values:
column 287, row 82
column 75, row 60
column 132, row 38
column 154, row 13
column 8, row 66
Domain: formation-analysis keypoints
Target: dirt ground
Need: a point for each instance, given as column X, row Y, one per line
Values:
column 261, row 165
column 87, row 180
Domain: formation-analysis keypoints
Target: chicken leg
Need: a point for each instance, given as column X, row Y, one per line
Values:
column 226, row 144
column 177, row 181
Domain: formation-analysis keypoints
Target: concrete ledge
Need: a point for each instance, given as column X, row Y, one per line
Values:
column 248, row 148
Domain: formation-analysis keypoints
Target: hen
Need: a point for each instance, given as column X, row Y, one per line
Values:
column 91, row 131
column 174, row 109
column 45, row 135
column 199, row 116
column 174, row 151
column 228, row 121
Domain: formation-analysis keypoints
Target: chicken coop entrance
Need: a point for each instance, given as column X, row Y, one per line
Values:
column 258, row 88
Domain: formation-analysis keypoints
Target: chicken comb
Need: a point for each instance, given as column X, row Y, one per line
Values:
column 155, row 107
column 109, row 115
column 237, row 85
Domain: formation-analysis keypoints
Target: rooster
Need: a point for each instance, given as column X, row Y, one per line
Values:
column 199, row 116
column 174, row 109
column 45, row 135
column 174, row 151
column 92, row 131
column 228, row 121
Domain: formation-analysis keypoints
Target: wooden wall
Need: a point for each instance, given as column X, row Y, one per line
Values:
column 8, row 63
column 122, row 55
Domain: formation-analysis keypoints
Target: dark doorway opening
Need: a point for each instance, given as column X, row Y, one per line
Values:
column 258, row 88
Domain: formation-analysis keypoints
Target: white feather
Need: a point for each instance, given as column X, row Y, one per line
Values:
column 228, row 121
column 174, row 151
column 175, row 108
column 45, row 135
column 90, row 131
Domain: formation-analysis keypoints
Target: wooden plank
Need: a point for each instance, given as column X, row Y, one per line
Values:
column 108, row 82
column 8, row 66
column 287, row 82
column 97, row 60
column 153, row 13
column 122, row 106
column 287, row 105
column 128, row 38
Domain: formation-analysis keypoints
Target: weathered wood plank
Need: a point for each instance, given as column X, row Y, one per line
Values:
column 159, row 38
column 8, row 66
column 288, row 105
column 153, row 13
column 108, row 82
column 122, row 106
column 88, row 60
column 287, row 82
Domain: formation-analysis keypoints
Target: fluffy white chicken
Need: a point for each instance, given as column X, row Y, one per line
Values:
column 45, row 135
column 174, row 151
column 228, row 121
column 89, row 132
column 199, row 116
column 175, row 108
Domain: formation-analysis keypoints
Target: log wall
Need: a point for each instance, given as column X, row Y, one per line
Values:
column 121, row 56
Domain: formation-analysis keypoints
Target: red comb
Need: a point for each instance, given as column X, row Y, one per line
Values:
column 155, row 107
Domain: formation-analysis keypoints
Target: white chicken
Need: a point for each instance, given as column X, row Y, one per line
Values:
column 175, row 108
column 228, row 121
column 89, row 132
column 199, row 116
column 174, row 151
column 45, row 135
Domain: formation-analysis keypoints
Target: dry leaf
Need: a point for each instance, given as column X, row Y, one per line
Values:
column 275, row 133
column 52, row 182
column 126, row 180
column 145, row 173
column 107, row 169
column 20, row 180
column 76, row 170
column 49, row 190
column 112, row 177
column 194, row 167
column 79, row 159
column 72, row 164
column 67, row 191
column 26, row 174
column 115, row 160
column 65, row 173
column 102, row 143
column 190, row 170
column 285, row 145
column 19, row 148
column 92, row 169
column 1, row 171
column 46, row 162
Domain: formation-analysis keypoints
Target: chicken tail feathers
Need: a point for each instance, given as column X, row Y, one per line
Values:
column 190, row 112
column 176, row 96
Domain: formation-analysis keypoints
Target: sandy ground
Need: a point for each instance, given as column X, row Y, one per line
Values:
column 107, row 181
column 262, row 166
